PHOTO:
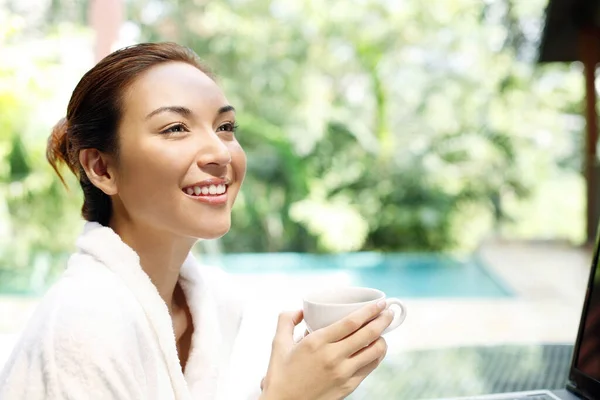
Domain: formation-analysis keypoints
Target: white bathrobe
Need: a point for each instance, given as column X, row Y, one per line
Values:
column 103, row 332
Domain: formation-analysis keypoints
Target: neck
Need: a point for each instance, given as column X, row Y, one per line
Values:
column 161, row 255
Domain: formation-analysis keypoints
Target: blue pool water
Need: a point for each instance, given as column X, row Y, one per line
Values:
column 397, row 274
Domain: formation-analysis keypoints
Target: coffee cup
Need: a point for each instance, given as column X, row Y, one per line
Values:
column 323, row 308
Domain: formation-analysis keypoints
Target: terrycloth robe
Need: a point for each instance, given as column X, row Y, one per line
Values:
column 103, row 332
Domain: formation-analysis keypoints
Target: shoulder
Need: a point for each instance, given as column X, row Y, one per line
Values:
column 89, row 287
column 89, row 304
column 86, row 331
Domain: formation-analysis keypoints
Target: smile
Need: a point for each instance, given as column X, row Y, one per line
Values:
column 207, row 190
column 210, row 191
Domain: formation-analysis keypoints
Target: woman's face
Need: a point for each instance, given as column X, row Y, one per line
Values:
column 180, row 166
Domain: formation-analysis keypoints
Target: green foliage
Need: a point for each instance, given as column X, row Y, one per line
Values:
column 38, row 218
column 378, row 126
column 17, row 161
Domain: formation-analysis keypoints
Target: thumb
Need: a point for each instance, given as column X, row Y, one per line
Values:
column 286, row 324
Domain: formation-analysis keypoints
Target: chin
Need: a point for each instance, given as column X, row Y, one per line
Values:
column 213, row 232
column 212, row 235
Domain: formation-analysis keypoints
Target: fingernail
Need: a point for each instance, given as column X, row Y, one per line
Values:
column 381, row 304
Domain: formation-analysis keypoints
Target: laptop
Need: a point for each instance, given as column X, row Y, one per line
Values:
column 584, row 374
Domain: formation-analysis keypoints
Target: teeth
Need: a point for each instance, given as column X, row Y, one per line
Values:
column 206, row 190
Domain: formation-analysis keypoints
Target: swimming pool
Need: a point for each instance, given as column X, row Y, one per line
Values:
column 397, row 274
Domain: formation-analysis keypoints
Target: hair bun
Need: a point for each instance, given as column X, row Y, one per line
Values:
column 57, row 149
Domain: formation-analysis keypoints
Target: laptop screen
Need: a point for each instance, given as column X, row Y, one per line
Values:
column 587, row 359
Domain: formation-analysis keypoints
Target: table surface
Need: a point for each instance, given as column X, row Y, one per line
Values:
column 467, row 371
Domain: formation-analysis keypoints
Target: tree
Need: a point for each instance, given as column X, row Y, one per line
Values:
column 378, row 126
column 385, row 126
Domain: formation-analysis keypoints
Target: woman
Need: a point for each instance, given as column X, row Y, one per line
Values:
column 151, row 138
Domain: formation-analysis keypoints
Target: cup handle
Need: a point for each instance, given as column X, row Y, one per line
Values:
column 399, row 317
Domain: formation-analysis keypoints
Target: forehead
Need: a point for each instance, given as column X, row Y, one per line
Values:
column 173, row 83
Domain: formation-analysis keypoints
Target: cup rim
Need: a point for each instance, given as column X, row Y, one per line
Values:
column 309, row 298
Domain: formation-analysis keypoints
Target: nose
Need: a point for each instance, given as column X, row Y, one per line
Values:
column 212, row 151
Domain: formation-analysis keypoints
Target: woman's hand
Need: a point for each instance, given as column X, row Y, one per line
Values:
column 329, row 363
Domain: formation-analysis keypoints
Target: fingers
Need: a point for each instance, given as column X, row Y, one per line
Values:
column 288, row 321
column 362, row 373
column 298, row 338
column 285, row 326
column 351, row 323
column 375, row 352
column 365, row 335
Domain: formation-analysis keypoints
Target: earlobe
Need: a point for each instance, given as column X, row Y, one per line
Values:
column 98, row 168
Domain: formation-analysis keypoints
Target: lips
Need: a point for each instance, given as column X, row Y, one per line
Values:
column 210, row 191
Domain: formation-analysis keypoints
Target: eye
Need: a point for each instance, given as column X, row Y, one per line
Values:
column 178, row 128
column 227, row 127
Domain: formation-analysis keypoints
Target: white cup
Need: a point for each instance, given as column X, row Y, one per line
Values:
column 325, row 307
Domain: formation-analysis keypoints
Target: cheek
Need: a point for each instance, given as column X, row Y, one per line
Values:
column 150, row 171
column 238, row 161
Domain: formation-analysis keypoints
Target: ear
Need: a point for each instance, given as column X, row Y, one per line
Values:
column 100, row 170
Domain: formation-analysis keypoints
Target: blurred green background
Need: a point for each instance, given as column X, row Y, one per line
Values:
column 384, row 125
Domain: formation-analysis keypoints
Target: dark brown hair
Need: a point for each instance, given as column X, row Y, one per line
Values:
column 95, row 110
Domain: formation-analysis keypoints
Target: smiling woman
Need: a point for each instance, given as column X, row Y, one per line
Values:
column 151, row 138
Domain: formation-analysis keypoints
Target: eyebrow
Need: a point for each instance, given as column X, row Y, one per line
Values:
column 225, row 109
column 184, row 111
